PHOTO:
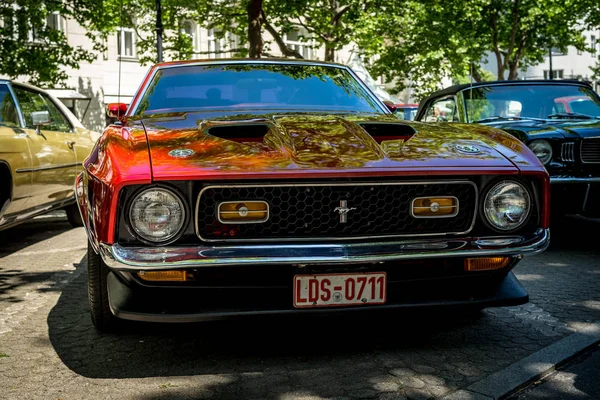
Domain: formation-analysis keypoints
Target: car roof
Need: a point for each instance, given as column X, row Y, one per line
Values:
column 248, row 61
column 457, row 88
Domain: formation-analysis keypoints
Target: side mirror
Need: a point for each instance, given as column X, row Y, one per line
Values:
column 390, row 105
column 116, row 110
column 39, row 118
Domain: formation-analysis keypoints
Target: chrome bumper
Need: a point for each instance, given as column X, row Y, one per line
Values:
column 144, row 258
column 574, row 179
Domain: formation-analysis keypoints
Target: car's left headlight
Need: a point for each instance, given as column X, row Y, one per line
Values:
column 542, row 150
column 507, row 205
column 157, row 215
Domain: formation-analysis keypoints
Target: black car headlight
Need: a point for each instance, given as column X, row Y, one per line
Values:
column 157, row 214
column 542, row 149
column 507, row 205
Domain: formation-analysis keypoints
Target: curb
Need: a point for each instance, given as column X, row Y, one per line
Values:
column 531, row 368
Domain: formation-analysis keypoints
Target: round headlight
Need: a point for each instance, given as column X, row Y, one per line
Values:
column 507, row 205
column 542, row 150
column 157, row 214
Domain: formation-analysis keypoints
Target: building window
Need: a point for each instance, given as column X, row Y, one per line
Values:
column 126, row 43
column 55, row 21
column 556, row 74
column 593, row 45
column 214, row 44
column 296, row 40
column 190, row 29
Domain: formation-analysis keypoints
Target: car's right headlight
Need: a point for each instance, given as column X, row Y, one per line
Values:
column 507, row 205
column 542, row 149
column 157, row 214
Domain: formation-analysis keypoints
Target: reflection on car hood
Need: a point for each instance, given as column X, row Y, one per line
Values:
column 303, row 143
column 559, row 128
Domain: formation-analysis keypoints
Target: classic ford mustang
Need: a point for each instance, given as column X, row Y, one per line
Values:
column 558, row 120
column 245, row 187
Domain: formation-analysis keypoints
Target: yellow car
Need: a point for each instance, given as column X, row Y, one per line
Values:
column 42, row 146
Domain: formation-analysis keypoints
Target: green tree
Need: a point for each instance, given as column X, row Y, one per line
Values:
column 31, row 44
column 432, row 39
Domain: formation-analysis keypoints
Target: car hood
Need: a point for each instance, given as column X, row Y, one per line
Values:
column 557, row 129
column 194, row 145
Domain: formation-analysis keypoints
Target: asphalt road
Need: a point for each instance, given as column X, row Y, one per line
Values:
column 579, row 379
column 50, row 350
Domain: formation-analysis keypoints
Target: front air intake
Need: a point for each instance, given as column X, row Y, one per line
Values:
column 389, row 131
column 240, row 133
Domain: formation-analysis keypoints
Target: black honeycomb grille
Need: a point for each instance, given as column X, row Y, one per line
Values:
column 308, row 211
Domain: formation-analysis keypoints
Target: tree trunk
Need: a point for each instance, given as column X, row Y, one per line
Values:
column 513, row 73
column 255, row 21
column 475, row 72
column 500, row 65
column 329, row 53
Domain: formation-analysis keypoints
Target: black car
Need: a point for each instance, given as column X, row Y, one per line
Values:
column 558, row 120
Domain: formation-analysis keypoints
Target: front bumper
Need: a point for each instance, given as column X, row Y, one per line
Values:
column 154, row 304
column 122, row 258
column 574, row 179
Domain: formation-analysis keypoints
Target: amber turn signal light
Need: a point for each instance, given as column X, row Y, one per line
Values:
column 486, row 263
column 243, row 212
column 434, row 206
column 166, row 276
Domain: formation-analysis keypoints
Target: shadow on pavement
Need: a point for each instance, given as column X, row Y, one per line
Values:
column 32, row 231
column 321, row 356
column 16, row 271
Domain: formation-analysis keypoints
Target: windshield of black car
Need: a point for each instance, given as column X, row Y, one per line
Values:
column 255, row 87
column 529, row 101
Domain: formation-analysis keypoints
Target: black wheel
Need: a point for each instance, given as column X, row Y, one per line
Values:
column 100, row 312
column 74, row 216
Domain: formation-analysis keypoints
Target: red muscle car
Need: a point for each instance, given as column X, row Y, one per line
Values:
column 234, row 187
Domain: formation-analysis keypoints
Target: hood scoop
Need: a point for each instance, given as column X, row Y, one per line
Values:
column 388, row 131
column 239, row 132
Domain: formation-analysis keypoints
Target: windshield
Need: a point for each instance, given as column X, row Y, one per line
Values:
column 530, row 101
column 255, row 86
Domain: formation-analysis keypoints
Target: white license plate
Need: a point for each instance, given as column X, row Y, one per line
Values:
column 334, row 290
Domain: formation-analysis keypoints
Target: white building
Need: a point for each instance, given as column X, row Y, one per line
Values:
column 116, row 73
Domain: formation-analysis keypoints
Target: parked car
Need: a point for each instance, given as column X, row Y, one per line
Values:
column 42, row 147
column 246, row 187
column 406, row 111
column 557, row 119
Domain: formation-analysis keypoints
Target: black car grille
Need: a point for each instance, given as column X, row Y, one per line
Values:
column 590, row 150
column 307, row 211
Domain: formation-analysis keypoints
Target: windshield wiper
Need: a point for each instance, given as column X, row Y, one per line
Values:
column 572, row 115
column 507, row 118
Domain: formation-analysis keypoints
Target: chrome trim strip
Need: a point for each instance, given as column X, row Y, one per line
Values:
column 219, row 212
column 59, row 166
column 567, row 151
column 162, row 258
column 336, row 238
column 574, row 179
column 454, row 214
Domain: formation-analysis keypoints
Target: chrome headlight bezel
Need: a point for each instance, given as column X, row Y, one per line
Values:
column 184, row 220
column 529, row 197
column 541, row 146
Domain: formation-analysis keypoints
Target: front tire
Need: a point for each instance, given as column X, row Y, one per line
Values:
column 74, row 216
column 102, row 317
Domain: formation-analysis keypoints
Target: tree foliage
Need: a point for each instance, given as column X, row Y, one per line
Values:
column 31, row 46
column 432, row 39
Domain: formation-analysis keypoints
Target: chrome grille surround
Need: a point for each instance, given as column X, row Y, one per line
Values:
column 590, row 150
column 306, row 211
column 567, row 151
